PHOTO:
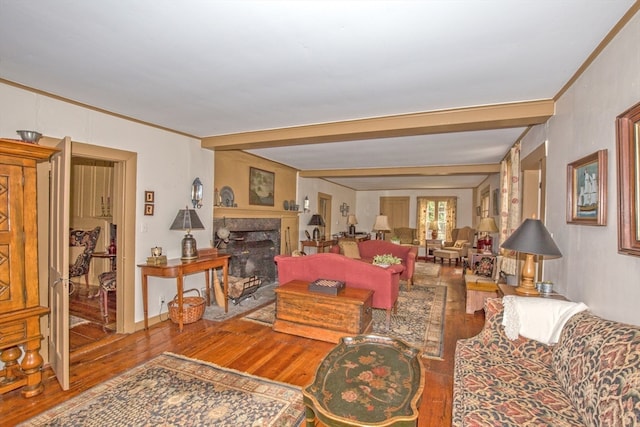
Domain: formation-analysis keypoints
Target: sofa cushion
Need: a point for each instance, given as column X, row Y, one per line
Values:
column 597, row 361
column 350, row 250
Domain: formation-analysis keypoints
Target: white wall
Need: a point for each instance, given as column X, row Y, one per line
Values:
column 368, row 205
column 167, row 164
column 310, row 187
column 591, row 269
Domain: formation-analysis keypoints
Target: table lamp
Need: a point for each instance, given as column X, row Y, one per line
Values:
column 187, row 220
column 351, row 222
column 531, row 238
column 316, row 219
column 487, row 225
column 381, row 226
column 433, row 226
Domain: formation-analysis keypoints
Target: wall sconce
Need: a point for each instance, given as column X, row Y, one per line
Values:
column 305, row 204
column 196, row 193
column 344, row 209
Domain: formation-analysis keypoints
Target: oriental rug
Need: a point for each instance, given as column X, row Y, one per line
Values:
column 419, row 321
column 178, row 391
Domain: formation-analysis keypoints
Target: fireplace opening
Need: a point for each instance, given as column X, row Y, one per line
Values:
column 252, row 244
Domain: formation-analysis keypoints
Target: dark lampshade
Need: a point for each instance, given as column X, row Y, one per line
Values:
column 531, row 238
column 316, row 219
column 187, row 220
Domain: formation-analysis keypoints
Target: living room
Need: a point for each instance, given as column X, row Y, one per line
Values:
column 591, row 269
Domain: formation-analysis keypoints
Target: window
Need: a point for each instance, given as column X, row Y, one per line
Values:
column 442, row 210
column 485, row 203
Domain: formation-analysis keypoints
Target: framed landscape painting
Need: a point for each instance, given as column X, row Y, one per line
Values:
column 261, row 187
column 587, row 190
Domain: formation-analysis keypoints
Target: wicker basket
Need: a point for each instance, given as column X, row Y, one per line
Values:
column 192, row 308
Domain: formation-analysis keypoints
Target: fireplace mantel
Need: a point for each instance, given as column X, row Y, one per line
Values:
column 222, row 212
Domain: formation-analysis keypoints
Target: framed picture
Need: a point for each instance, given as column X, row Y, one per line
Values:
column 149, row 197
column 496, row 202
column 148, row 209
column 587, row 190
column 628, row 155
column 261, row 187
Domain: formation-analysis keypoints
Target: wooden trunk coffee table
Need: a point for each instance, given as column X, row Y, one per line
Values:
column 321, row 316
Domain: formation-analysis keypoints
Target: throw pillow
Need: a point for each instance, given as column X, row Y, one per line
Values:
column 484, row 267
column 350, row 250
column 459, row 243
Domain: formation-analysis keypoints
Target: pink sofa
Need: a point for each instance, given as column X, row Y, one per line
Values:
column 370, row 248
column 384, row 282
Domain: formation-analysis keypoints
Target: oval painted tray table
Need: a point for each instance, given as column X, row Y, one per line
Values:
column 366, row 380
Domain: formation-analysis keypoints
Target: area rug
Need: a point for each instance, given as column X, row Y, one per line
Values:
column 425, row 270
column 77, row 321
column 263, row 295
column 419, row 321
column 178, row 391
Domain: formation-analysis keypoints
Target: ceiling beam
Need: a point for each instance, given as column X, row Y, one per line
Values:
column 406, row 171
column 484, row 117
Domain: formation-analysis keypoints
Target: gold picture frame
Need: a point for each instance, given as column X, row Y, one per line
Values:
column 628, row 174
column 587, row 190
column 261, row 187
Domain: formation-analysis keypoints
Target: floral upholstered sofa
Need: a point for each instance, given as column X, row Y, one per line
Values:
column 591, row 377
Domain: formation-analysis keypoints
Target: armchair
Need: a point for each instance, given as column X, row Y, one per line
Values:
column 464, row 238
column 85, row 241
column 406, row 235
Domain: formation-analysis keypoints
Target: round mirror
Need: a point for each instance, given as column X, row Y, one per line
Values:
column 196, row 193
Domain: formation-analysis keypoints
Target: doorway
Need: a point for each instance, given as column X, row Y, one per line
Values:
column 123, row 210
column 92, row 310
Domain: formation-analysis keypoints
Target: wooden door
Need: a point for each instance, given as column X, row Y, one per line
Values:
column 59, row 262
column 397, row 210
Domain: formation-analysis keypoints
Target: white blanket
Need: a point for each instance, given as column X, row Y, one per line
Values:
column 540, row 319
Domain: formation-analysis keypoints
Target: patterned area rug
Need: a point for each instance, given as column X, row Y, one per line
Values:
column 177, row 391
column 419, row 321
column 424, row 270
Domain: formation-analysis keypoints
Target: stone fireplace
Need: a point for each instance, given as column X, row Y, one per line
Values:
column 253, row 243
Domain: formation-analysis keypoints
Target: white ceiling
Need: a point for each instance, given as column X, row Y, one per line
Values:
column 209, row 68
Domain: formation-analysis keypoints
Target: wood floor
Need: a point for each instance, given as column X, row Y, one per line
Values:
column 245, row 346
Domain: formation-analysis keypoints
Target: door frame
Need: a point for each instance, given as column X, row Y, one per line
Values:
column 124, row 214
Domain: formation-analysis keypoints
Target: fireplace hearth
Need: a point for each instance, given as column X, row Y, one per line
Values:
column 253, row 242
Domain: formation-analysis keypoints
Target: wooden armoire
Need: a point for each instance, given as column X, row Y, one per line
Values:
column 20, row 311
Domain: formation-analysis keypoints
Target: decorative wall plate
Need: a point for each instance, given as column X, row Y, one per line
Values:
column 227, row 197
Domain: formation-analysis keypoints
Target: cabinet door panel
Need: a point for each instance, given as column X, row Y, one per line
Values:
column 11, row 239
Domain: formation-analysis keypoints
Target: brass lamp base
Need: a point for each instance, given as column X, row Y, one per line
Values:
column 189, row 249
column 526, row 286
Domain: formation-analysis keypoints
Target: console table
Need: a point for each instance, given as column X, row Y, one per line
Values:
column 177, row 269
column 320, row 245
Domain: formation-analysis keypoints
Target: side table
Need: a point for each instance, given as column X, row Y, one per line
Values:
column 366, row 380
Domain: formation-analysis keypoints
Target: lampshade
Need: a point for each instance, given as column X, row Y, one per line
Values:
column 352, row 220
column 316, row 219
column 382, row 223
column 488, row 225
column 381, row 226
column 531, row 238
column 187, row 220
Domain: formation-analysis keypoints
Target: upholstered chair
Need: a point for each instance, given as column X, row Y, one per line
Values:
column 461, row 240
column 82, row 243
column 406, row 235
